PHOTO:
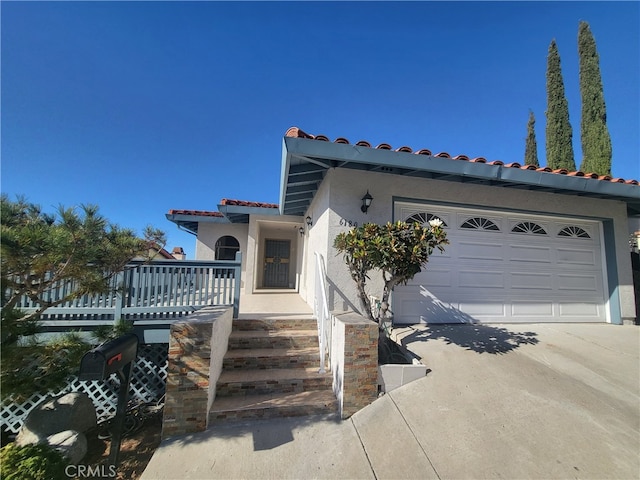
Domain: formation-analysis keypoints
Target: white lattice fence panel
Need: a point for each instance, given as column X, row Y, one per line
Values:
column 148, row 382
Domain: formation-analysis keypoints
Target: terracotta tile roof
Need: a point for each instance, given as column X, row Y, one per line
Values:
column 199, row 213
column 160, row 250
column 297, row 133
column 244, row 203
column 224, row 201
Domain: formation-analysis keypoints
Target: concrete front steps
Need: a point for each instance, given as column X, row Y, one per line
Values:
column 271, row 370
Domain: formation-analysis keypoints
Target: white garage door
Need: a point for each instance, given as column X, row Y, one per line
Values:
column 505, row 267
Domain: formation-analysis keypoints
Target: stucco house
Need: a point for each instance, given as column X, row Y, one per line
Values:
column 527, row 244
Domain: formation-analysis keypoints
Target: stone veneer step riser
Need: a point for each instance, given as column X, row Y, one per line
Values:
column 236, row 343
column 267, row 363
column 279, row 412
column 274, row 324
column 264, row 387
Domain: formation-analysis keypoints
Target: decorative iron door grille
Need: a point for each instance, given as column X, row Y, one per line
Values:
column 276, row 263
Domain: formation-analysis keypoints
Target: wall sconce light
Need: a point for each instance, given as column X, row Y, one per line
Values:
column 309, row 221
column 366, row 202
column 301, row 230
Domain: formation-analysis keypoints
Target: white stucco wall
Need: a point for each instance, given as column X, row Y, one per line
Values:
column 210, row 233
column 315, row 241
column 345, row 188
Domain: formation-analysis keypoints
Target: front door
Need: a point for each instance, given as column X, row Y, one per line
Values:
column 276, row 263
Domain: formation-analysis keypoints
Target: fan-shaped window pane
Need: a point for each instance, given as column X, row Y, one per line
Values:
column 479, row 223
column 529, row 228
column 226, row 248
column 423, row 218
column 573, row 231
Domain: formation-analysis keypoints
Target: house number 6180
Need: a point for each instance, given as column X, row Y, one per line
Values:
column 348, row 223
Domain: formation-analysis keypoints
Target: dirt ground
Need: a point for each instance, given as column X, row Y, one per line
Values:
column 136, row 450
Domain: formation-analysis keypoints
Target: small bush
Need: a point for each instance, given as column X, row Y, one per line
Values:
column 31, row 462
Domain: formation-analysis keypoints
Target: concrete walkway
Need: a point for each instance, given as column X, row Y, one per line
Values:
column 528, row 401
column 279, row 303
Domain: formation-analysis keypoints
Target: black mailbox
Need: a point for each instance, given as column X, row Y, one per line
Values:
column 110, row 357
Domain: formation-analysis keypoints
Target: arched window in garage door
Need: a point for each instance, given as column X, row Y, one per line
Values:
column 423, row 218
column 480, row 223
column 529, row 228
column 573, row 231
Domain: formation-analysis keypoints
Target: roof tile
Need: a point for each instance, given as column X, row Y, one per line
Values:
column 200, row 213
column 295, row 132
column 244, row 203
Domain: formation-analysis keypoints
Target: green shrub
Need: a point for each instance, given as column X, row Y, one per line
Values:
column 31, row 462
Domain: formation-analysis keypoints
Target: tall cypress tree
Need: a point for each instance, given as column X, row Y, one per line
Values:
column 594, row 134
column 531, row 146
column 558, row 133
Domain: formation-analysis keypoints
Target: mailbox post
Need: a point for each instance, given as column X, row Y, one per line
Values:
column 115, row 356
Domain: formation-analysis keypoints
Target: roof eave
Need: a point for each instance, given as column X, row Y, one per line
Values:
column 366, row 158
column 190, row 222
column 240, row 213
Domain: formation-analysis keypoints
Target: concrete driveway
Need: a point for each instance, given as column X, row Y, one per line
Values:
column 529, row 401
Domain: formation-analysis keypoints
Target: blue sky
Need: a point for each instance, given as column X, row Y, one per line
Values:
column 146, row 106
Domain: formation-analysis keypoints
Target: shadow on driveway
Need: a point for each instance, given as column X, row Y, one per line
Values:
column 476, row 337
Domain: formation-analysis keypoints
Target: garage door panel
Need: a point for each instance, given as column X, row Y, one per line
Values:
column 435, row 277
column 531, row 281
column 482, row 309
column 576, row 257
column 481, row 251
column 529, row 253
column 480, row 279
column 420, row 305
column 581, row 309
column 532, row 309
column 546, row 270
column 578, row 283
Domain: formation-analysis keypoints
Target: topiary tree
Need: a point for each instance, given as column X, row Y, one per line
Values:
column 397, row 250
column 38, row 253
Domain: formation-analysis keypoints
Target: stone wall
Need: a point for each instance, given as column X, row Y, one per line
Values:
column 354, row 362
column 196, row 349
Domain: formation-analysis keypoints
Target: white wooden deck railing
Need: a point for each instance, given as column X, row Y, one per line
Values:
column 321, row 313
column 158, row 289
